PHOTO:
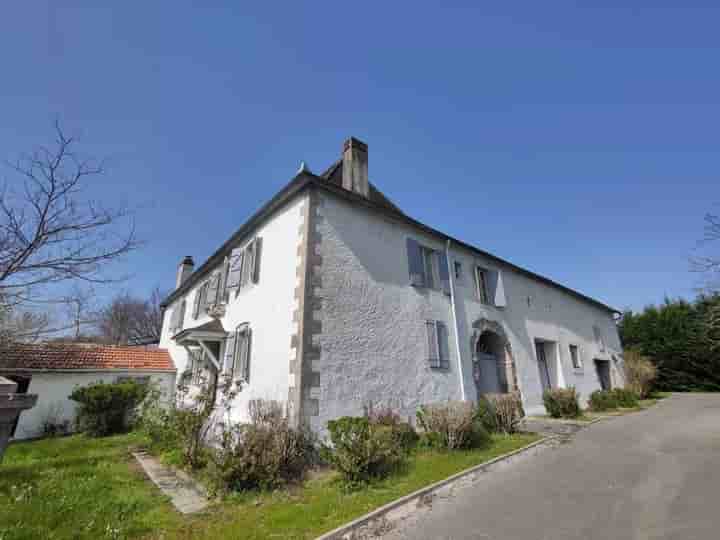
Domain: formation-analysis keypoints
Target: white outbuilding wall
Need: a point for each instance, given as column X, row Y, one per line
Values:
column 54, row 387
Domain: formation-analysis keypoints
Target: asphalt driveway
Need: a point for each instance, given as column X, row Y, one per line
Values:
column 649, row 475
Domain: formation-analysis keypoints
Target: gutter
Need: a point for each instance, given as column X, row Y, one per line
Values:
column 453, row 308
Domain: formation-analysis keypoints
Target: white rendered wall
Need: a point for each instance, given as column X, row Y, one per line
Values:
column 54, row 387
column 373, row 343
column 267, row 306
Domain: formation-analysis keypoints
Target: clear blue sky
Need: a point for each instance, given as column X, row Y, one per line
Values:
column 578, row 139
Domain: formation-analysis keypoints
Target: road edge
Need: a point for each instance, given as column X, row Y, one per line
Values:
column 345, row 531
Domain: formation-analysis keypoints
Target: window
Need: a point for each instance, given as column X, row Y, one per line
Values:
column 428, row 267
column 575, row 357
column 481, row 278
column 458, row 270
column 197, row 366
column 243, row 267
column 177, row 317
column 437, row 345
column 489, row 287
column 599, row 338
column 238, row 352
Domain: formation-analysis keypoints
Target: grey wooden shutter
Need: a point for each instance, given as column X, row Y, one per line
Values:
column 181, row 318
column 443, row 345
column 258, row 252
column 212, row 291
column 229, row 353
column 433, row 354
column 174, row 318
column 491, row 278
column 248, row 349
column 196, row 302
column 236, row 258
column 224, row 292
column 443, row 272
column 415, row 263
column 241, row 358
column 599, row 338
column 248, row 264
column 499, row 298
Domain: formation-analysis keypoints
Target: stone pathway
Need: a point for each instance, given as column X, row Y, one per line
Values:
column 185, row 494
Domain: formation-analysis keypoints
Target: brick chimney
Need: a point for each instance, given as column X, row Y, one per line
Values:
column 355, row 167
column 184, row 270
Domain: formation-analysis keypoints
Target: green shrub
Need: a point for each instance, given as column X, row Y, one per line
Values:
column 452, row 425
column 181, row 426
column 107, row 408
column 263, row 454
column 602, row 400
column 626, row 397
column 386, row 416
column 361, row 450
column 562, row 403
column 500, row 413
column 605, row 400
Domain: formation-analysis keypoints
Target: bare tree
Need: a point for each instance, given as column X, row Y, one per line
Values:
column 23, row 326
column 79, row 308
column 130, row 320
column 49, row 231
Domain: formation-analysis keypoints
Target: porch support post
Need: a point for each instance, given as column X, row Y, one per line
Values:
column 210, row 354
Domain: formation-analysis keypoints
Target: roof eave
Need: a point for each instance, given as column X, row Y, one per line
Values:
column 305, row 179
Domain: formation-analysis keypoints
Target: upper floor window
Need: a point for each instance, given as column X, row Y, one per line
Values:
column 428, row 267
column 458, row 270
column 599, row 338
column 177, row 317
column 481, row 278
column 238, row 271
column 489, row 287
column 575, row 357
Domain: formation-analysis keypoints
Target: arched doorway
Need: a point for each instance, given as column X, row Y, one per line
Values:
column 493, row 366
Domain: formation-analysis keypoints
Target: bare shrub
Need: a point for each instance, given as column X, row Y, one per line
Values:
column 500, row 413
column 263, row 454
column 451, row 425
column 640, row 372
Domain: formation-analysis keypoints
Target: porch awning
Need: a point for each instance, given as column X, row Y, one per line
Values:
column 207, row 336
column 210, row 331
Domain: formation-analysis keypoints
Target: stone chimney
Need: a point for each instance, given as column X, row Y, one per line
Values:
column 184, row 270
column 355, row 167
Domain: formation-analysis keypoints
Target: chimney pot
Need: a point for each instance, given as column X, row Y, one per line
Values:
column 186, row 267
column 355, row 167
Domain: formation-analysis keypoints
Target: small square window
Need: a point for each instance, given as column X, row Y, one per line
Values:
column 575, row 357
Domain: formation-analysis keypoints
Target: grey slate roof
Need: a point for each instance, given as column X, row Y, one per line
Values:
column 331, row 181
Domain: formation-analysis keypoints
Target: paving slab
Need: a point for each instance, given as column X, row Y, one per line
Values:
column 186, row 495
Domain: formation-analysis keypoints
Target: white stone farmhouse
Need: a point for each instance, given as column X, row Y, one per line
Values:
column 330, row 297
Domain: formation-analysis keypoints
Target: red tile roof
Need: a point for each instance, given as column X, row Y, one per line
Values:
column 74, row 356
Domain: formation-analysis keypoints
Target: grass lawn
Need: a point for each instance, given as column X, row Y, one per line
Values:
column 83, row 488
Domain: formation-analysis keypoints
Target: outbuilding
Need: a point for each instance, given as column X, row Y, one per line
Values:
column 53, row 371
